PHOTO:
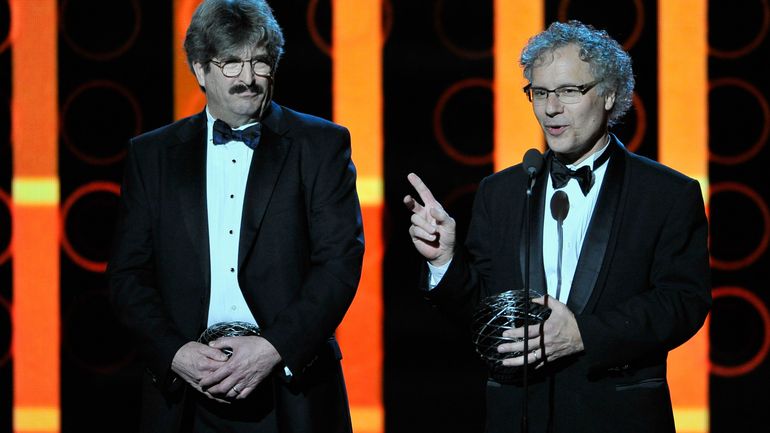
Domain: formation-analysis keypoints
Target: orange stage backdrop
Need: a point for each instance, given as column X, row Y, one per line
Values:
column 357, row 102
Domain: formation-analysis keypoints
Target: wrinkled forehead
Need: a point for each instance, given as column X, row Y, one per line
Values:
column 243, row 53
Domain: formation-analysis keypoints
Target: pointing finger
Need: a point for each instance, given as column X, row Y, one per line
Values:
column 421, row 188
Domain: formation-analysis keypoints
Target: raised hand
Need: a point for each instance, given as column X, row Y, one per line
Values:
column 432, row 230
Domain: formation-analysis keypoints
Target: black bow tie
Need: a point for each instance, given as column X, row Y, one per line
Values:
column 561, row 174
column 224, row 134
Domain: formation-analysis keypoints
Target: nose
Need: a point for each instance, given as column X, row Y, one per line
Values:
column 247, row 73
column 553, row 105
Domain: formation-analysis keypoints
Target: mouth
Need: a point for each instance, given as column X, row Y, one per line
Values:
column 554, row 130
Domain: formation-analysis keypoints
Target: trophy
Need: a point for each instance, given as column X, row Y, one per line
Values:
column 228, row 329
column 496, row 314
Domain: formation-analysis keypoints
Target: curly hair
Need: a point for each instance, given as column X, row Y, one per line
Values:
column 608, row 61
column 224, row 27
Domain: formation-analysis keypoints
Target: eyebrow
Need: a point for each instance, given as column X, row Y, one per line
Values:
column 235, row 58
column 557, row 87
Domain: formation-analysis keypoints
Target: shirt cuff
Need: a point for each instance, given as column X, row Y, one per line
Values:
column 436, row 273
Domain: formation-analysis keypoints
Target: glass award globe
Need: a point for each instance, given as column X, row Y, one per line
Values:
column 496, row 314
column 228, row 329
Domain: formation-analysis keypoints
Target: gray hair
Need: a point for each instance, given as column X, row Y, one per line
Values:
column 609, row 62
column 224, row 27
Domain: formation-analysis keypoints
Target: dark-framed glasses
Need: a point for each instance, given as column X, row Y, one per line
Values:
column 565, row 94
column 232, row 68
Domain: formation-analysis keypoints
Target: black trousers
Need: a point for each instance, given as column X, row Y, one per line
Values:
column 254, row 414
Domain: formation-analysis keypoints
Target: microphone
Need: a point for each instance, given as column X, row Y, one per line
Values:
column 559, row 206
column 559, row 211
column 533, row 162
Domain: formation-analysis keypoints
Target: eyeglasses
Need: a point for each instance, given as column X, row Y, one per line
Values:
column 565, row 94
column 232, row 68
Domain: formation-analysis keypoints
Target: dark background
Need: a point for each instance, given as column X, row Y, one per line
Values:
column 115, row 81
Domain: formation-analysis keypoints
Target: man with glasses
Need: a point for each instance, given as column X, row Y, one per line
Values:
column 239, row 246
column 619, row 249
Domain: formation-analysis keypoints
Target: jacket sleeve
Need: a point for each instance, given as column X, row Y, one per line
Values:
column 132, row 276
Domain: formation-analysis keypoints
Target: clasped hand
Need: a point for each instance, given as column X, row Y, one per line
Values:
column 207, row 369
column 555, row 338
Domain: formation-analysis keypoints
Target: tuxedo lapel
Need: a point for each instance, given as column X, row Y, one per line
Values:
column 596, row 244
column 187, row 177
column 266, row 165
column 537, row 282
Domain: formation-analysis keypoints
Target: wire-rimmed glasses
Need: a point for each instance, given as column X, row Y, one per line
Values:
column 232, row 68
column 566, row 94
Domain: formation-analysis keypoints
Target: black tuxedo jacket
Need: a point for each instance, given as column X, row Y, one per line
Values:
column 641, row 288
column 299, row 259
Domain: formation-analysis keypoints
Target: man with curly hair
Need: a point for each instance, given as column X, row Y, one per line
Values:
column 619, row 253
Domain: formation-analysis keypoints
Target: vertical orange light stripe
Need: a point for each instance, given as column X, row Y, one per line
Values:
column 683, row 145
column 188, row 98
column 36, row 327
column 34, row 96
column 357, row 90
column 688, row 382
column 516, row 129
column 683, row 87
column 361, row 333
column 357, row 82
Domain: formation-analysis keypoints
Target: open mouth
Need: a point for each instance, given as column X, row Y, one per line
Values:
column 555, row 129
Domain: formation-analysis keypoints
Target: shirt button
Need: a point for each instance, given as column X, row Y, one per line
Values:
column 232, row 269
column 231, row 232
column 232, row 195
column 233, row 308
column 233, row 161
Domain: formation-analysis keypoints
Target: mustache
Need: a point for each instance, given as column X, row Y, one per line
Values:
column 255, row 88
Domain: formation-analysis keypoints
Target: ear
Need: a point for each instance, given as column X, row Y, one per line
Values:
column 200, row 75
column 609, row 101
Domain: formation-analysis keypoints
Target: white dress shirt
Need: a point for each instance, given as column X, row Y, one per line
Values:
column 227, row 169
column 575, row 226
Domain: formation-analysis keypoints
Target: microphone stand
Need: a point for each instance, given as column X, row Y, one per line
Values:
column 528, row 247
column 532, row 164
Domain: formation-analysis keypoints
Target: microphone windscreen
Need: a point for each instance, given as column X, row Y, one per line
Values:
column 559, row 205
column 533, row 162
